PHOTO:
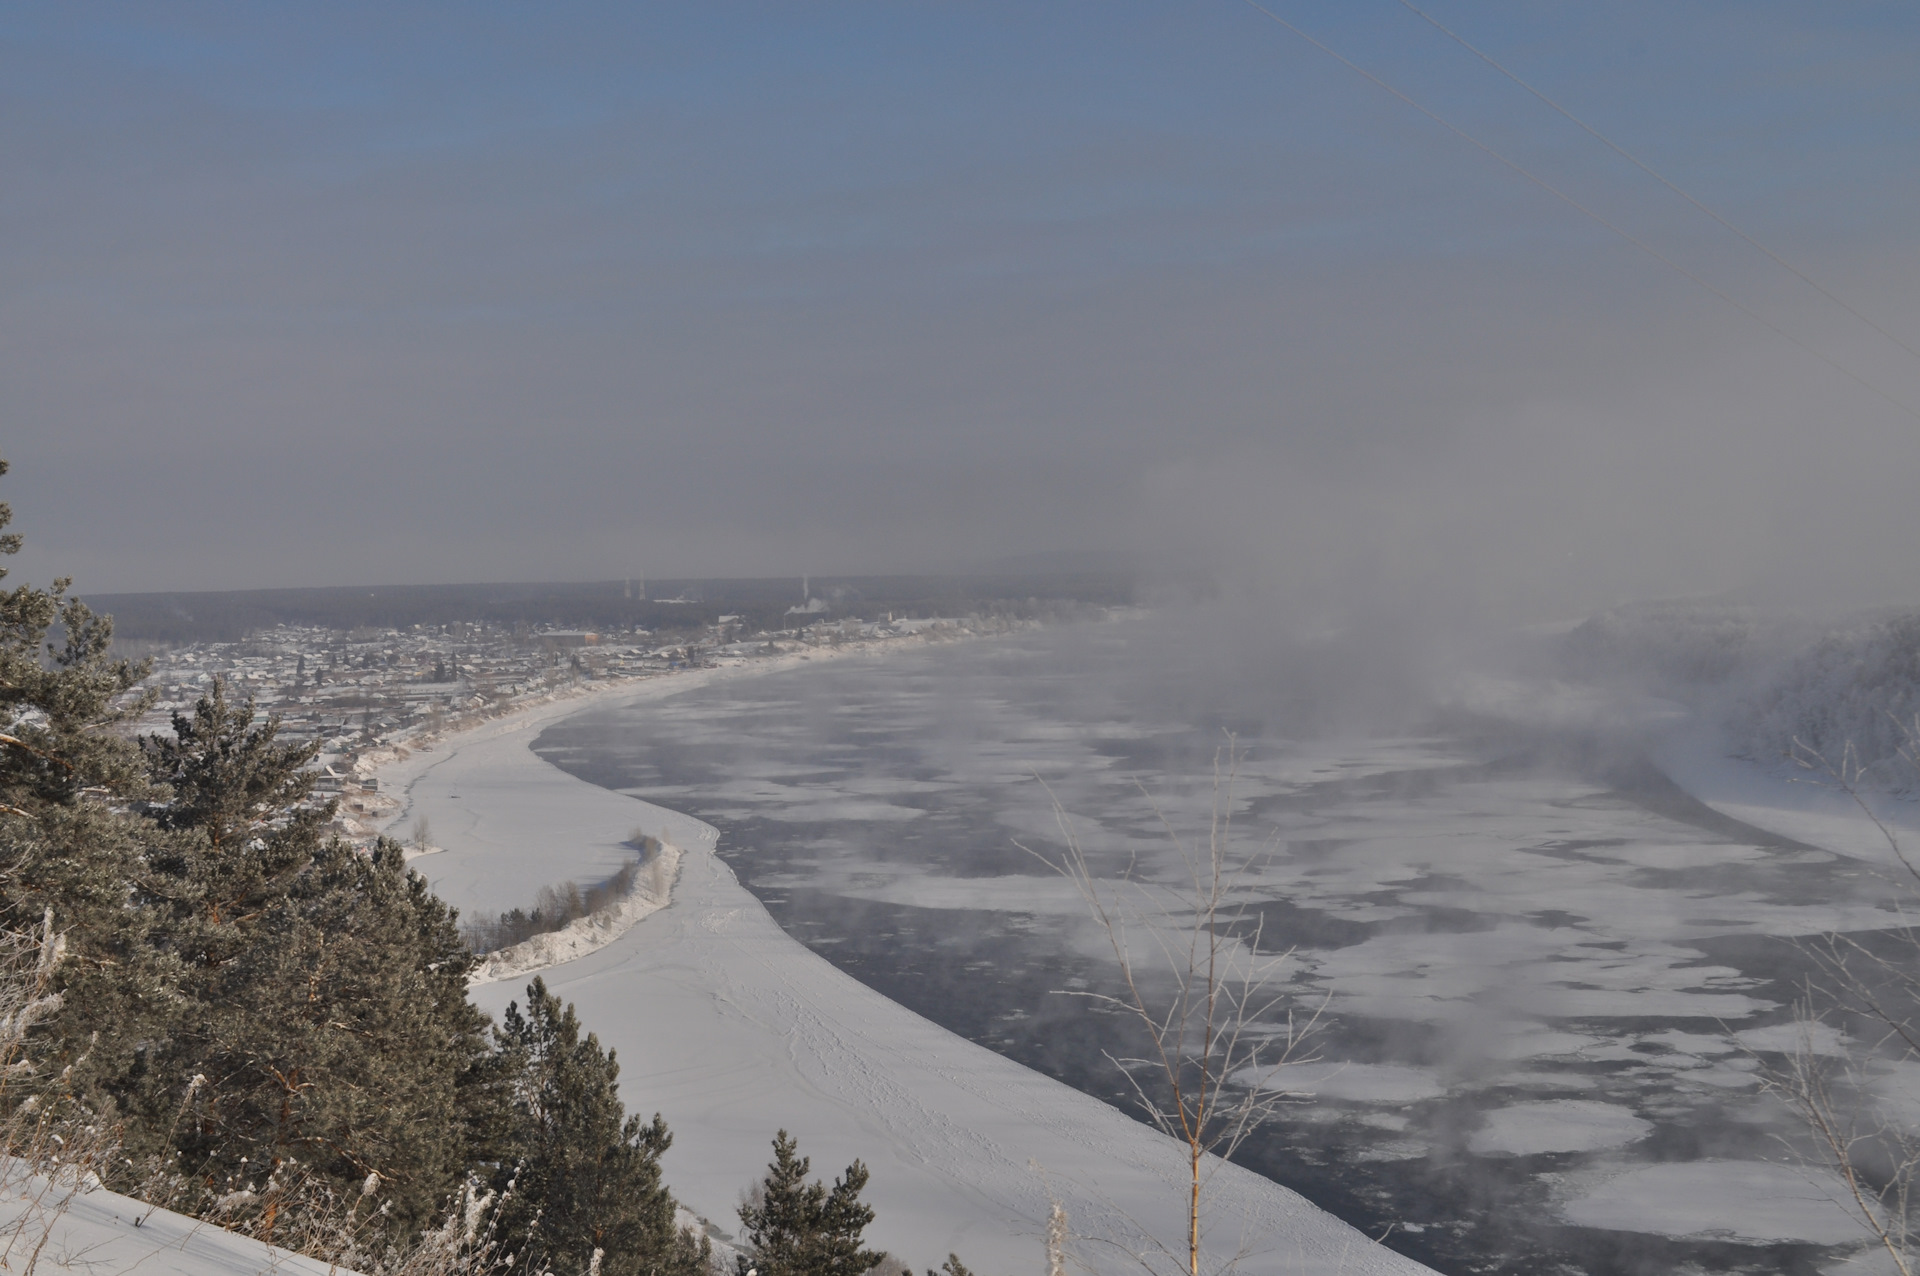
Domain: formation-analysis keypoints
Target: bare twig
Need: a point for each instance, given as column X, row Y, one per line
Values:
column 1208, row 1077
column 1871, row 1151
column 52, row 1148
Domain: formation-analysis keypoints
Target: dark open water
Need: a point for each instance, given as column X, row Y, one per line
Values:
column 1530, row 951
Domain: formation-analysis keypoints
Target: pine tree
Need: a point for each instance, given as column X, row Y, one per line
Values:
column 586, row 1176
column 267, row 1007
column 323, row 1032
column 796, row 1228
column 69, row 845
column 243, row 798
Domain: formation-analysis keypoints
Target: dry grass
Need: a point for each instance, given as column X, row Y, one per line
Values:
column 52, row 1147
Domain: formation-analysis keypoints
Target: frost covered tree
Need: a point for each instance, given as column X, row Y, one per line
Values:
column 587, row 1178
column 797, row 1228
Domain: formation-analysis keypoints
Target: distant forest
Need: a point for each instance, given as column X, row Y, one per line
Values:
column 230, row 615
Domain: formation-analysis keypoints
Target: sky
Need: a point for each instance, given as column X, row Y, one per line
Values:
column 374, row 294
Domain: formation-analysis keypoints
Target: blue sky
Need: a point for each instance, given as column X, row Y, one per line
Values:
column 326, row 294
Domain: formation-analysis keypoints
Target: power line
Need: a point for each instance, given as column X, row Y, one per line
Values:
column 1587, row 212
column 1655, row 174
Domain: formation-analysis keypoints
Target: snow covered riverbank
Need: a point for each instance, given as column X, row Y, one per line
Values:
column 732, row 1030
column 1792, row 802
column 492, row 873
column 583, row 935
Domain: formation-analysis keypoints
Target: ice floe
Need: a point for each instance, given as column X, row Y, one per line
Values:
column 1557, row 1125
column 1757, row 1201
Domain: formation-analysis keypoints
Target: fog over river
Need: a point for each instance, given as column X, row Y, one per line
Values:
column 1532, row 950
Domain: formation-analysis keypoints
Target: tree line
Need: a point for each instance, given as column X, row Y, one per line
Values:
column 272, row 1025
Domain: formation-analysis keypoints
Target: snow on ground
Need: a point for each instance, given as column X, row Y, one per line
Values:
column 102, row 1232
column 1781, row 798
column 732, row 1030
column 587, row 934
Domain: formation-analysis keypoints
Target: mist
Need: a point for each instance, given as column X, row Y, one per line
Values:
column 368, row 299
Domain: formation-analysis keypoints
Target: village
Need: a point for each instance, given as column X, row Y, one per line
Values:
column 364, row 694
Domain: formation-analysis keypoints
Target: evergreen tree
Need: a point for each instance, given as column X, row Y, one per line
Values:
column 586, row 1176
column 242, row 797
column 797, row 1228
column 69, row 845
column 324, row 1033
column 273, row 1009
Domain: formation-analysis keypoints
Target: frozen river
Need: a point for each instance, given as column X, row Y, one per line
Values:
column 1534, row 953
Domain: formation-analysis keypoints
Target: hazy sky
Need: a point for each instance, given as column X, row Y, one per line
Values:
column 367, row 294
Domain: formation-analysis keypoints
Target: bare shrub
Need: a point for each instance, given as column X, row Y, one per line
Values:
column 1214, row 1011
column 53, row 1148
column 558, row 905
column 1871, row 1151
column 1867, row 986
column 1058, row 1235
column 305, row 1214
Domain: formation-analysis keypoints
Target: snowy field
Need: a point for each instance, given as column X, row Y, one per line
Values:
column 732, row 1030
